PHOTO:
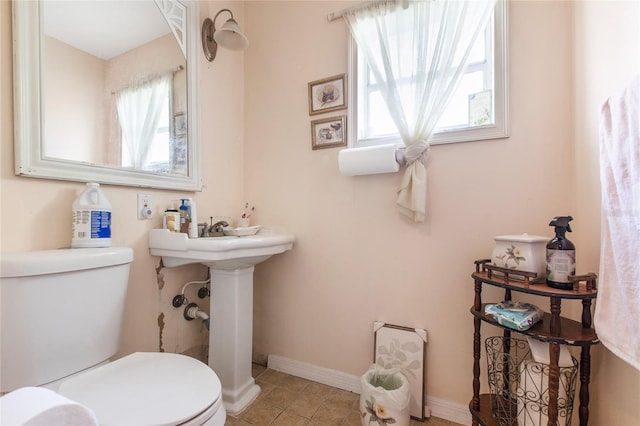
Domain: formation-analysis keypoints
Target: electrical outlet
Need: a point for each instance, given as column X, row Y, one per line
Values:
column 145, row 206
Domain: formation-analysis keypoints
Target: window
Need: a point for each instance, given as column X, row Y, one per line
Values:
column 144, row 117
column 159, row 156
column 477, row 110
column 159, row 151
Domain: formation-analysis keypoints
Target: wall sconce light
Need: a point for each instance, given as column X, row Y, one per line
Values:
column 229, row 36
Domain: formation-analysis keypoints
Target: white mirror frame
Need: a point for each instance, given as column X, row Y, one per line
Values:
column 28, row 118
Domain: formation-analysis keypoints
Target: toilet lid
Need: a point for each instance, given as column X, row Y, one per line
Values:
column 146, row 389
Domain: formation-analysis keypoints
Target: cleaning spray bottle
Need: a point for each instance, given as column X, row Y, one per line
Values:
column 561, row 255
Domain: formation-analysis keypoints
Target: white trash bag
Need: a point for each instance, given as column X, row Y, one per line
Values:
column 385, row 397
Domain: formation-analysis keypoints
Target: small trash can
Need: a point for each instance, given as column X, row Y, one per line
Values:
column 384, row 397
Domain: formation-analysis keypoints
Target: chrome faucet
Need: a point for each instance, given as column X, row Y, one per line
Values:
column 215, row 230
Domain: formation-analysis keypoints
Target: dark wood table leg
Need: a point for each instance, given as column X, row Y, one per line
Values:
column 585, row 373
column 554, row 383
column 554, row 357
column 477, row 306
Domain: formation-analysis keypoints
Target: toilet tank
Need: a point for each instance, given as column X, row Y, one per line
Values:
column 61, row 312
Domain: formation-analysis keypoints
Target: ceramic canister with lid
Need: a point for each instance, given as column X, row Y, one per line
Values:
column 522, row 253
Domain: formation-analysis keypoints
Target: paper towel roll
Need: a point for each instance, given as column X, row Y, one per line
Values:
column 540, row 353
column 368, row 160
column 40, row 406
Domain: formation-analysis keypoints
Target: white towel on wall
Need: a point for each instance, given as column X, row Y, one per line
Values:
column 617, row 315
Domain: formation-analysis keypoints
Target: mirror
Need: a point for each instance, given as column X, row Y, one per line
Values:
column 105, row 91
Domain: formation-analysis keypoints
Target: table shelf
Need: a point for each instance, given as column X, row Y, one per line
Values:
column 553, row 329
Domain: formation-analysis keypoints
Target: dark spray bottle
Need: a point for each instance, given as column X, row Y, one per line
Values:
column 561, row 255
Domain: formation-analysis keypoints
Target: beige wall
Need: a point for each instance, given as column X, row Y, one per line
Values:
column 356, row 259
column 75, row 103
column 606, row 56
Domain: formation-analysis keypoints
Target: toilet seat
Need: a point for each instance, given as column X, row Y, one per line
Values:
column 159, row 389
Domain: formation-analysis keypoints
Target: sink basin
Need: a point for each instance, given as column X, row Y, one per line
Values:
column 230, row 260
column 224, row 253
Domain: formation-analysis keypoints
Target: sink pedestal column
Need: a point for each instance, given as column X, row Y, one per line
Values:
column 231, row 336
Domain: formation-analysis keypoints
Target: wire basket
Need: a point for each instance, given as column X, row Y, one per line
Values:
column 519, row 386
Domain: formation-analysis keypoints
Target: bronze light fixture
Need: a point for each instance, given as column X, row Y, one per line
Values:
column 229, row 36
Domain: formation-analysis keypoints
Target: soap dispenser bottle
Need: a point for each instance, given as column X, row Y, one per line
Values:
column 561, row 255
column 193, row 218
column 184, row 216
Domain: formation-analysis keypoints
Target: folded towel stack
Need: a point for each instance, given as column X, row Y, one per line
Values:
column 516, row 315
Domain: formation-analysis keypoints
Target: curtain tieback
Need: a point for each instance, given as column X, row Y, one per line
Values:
column 418, row 151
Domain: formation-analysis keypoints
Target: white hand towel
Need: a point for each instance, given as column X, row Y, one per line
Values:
column 31, row 406
column 617, row 316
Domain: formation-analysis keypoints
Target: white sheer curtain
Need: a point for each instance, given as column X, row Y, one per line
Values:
column 418, row 55
column 139, row 110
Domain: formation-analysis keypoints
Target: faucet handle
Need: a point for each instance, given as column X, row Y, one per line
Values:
column 203, row 229
column 217, row 227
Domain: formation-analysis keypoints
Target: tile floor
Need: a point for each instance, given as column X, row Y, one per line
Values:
column 288, row 400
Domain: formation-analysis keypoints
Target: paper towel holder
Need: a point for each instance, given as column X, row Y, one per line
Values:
column 369, row 160
column 401, row 157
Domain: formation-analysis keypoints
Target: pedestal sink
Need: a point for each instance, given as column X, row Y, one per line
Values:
column 231, row 261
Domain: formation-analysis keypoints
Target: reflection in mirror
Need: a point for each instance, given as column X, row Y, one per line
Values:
column 112, row 101
column 117, row 93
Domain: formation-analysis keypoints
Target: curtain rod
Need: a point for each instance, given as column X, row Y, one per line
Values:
column 339, row 14
column 150, row 78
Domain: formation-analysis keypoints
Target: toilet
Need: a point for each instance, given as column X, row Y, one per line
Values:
column 62, row 313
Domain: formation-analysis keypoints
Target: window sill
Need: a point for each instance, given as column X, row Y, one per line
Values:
column 447, row 137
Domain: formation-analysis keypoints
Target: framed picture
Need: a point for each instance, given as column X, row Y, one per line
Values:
column 480, row 108
column 179, row 155
column 326, row 95
column 403, row 348
column 328, row 132
column 180, row 124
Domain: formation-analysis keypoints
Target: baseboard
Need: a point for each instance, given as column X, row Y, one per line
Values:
column 435, row 407
column 448, row 410
column 326, row 376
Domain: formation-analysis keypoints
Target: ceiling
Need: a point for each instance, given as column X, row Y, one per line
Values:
column 104, row 29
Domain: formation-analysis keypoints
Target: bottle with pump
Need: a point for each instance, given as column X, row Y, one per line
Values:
column 561, row 255
column 184, row 216
column 193, row 219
